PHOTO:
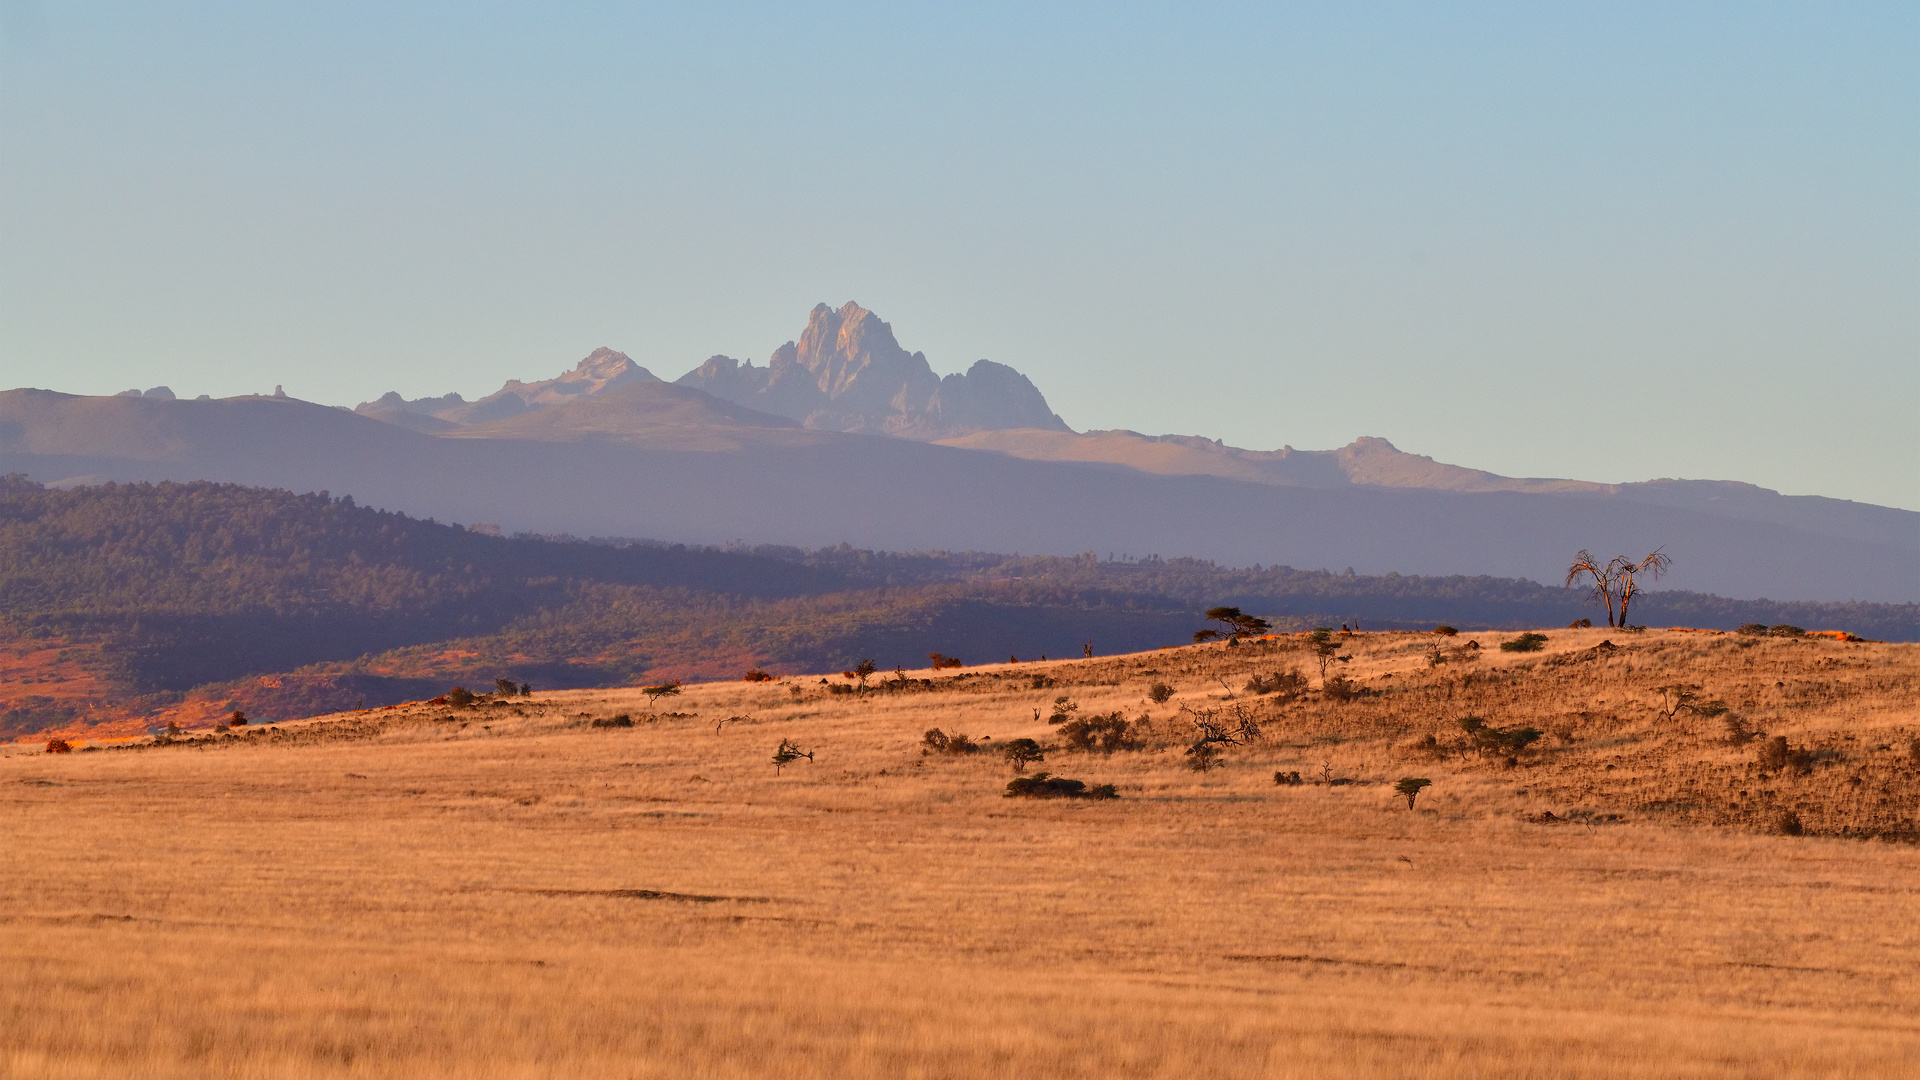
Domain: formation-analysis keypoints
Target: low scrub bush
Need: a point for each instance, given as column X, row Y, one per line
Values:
column 59, row 746
column 1785, row 630
column 1488, row 739
column 1159, row 692
column 936, row 741
column 1580, row 624
column 1101, row 733
column 459, row 697
column 1445, row 631
column 1753, row 629
column 1527, row 642
column 1063, row 710
column 1288, row 684
column 1777, row 755
column 1787, row 823
column 939, row 662
column 1287, row 779
column 1041, row 682
column 1042, row 786
column 756, row 675
column 1341, row 688
column 621, row 720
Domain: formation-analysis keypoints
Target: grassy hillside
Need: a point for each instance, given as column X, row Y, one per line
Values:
column 527, row 887
column 125, row 607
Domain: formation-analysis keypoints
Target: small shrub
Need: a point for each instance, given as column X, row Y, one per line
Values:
column 1063, row 710
column 839, row 688
column 1287, row 684
column 1287, row 779
column 1753, row 629
column 788, row 753
column 1488, row 739
column 1580, row 624
column 1737, row 732
column 459, row 697
column 1042, row 786
column 59, row 746
column 756, row 675
column 1445, row 631
column 1159, row 692
column 1913, row 751
column 1527, row 642
column 1785, row 630
column 1023, row 752
column 1101, row 733
column 1341, row 688
column 1777, row 755
column 1787, row 823
column 1040, row 682
column 936, row 741
column 236, row 719
column 938, row 661
column 1202, row 756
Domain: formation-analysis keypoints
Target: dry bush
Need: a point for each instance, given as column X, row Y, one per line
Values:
column 756, row 675
column 1340, row 688
column 1101, row 733
column 59, row 746
column 936, row 741
column 1526, row 642
column 1043, row 786
column 1287, row 684
column 1159, row 692
column 1777, row 755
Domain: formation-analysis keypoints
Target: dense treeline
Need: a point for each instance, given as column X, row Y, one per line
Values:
column 200, row 585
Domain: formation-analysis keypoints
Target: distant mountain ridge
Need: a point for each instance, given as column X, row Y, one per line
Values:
column 846, row 373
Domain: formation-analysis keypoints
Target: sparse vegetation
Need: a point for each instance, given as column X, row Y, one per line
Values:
column 1777, row 755
column 936, row 741
column 1101, row 733
column 1043, row 786
column 1159, row 692
column 788, row 753
column 1287, row 684
column 1527, row 642
column 1488, row 739
column 1063, row 710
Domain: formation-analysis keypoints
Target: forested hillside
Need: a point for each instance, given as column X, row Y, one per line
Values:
column 124, row 605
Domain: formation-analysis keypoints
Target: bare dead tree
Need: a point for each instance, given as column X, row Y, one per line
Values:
column 1625, row 576
column 1584, row 564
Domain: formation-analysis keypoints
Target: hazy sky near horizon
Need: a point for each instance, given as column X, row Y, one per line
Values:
column 1605, row 241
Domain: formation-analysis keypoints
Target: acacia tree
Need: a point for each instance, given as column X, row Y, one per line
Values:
column 1625, row 574
column 1325, row 650
column 1238, row 624
column 1585, row 565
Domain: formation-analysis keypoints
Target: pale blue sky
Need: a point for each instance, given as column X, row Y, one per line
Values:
column 1610, row 241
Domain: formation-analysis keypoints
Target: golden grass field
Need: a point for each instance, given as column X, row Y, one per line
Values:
column 510, row 891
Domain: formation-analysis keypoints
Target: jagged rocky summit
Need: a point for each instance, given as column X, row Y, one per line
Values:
column 845, row 373
column 848, row 373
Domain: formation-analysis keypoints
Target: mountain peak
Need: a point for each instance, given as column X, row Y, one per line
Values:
column 847, row 372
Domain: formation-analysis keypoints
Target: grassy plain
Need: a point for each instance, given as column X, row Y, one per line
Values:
column 511, row 891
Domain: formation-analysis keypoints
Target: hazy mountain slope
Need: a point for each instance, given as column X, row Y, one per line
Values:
column 601, row 371
column 846, row 372
column 652, row 414
column 1377, row 462
column 902, row 495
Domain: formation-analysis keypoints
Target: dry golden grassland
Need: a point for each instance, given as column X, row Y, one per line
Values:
column 511, row 891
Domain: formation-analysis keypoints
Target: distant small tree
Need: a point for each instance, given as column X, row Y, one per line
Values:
column 1325, row 649
column 239, row 719
column 1626, row 576
column 1526, row 642
column 459, row 697
column 1237, row 624
column 1679, row 698
column 666, row 689
column 756, row 675
column 788, row 753
column 526, row 689
column 1411, row 787
column 1159, row 692
column 505, row 687
column 863, row 671
column 59, row 746
column 1023, row 752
